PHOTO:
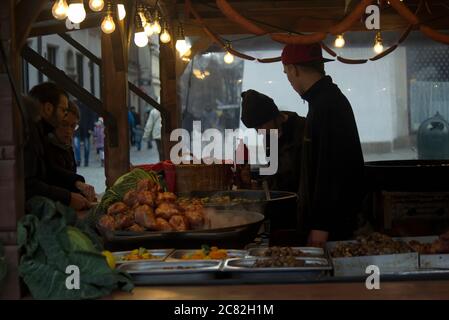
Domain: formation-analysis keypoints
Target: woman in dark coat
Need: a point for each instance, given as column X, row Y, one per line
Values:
column 59, row 150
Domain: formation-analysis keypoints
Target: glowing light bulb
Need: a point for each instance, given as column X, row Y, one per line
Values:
column 96, row 5
column 108, row 25
column 76, row 12
column 339, row 41
column 59, row 9
column 228, row 58
column 121, row 11
column 378, row 46
column 140, row 39
column 148, row 29
column 157, row 27
column 165, row 36
column 181, row 46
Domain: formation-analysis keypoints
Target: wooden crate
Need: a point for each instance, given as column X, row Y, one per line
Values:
column 413, row 213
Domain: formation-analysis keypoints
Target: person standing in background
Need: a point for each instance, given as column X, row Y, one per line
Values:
column 153, row 130
column 84, row 132
column 99, row 139
column 132, row 126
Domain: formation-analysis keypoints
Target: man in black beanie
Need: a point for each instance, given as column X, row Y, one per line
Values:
column 260, row 112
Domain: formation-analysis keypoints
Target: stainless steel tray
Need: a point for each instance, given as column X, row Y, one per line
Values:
column 232, row 253
column 159, row 255
column 430, row 261
column 246, row 265
column 388, row 264
column 242, row 270
column 175, row 272
column 308, row 251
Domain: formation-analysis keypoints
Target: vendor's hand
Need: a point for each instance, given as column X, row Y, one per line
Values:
column 317, row 238
column 78, row 202
column 87, row 190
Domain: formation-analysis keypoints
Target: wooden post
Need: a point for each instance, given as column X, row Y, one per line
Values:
column 11, row 155
column 169, row 94
column 115, row 100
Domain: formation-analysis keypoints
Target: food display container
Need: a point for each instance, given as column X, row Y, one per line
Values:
column 158, row 255
column 388, row 264
column 232, row 253
column 172, row 272
column 244, row 270
column 307, row 251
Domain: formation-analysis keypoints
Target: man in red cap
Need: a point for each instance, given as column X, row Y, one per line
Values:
column 331, row 186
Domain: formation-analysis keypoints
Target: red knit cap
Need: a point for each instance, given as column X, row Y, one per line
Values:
column 302, row 53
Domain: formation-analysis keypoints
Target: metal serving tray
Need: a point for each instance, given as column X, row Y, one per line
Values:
column 388, row 264
column 430, row 261
column 309, row 251
column 242, row 269
column 232, row 253
column 174, row 272
column 159, row 255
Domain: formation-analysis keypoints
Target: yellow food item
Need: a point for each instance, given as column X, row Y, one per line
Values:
column 214, row 253
column 138, row 254
column 109, row 258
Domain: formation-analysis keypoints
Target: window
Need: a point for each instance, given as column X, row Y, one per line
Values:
column 92, row 77
column 51, row 54
column 80, row 69
column 25, row 76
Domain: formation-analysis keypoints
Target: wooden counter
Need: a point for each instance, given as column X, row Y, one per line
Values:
column 433, row 290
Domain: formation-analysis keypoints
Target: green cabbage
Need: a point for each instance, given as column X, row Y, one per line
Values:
column 50, row 242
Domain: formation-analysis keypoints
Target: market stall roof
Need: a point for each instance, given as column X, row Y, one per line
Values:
column 297, row 16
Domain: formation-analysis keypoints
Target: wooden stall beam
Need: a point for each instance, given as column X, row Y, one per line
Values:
column 26, row 13
column 11, row 153
column 115, row 99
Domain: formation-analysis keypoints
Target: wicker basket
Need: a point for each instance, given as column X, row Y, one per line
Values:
column 202, row 177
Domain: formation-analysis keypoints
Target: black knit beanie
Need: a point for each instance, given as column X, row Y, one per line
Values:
column 257, row 109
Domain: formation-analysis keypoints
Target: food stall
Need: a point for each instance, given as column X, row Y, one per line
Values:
column 196, row 245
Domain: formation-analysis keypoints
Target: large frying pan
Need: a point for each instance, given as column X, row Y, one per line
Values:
column 227, row 229
column 280, row 209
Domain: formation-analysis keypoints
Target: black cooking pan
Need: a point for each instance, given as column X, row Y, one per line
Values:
column 280, row 209
column 226, row 231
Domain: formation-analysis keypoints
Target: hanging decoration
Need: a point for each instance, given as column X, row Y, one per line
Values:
column 336, row 30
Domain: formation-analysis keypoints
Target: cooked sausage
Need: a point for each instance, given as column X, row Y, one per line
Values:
column 299, row 39
column 434, row 35
column 234, row 16
column 352, row 61
column 328, row 50
column 351, row 18
column 269, row 60
column 240, row 55
column 404, row 11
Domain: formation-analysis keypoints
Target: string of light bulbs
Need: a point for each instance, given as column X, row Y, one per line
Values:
column 149, row 22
